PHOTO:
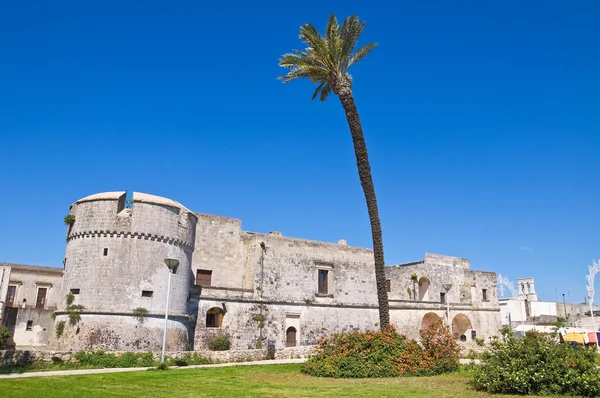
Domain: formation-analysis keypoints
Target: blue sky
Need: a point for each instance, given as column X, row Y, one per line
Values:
column 481, row 118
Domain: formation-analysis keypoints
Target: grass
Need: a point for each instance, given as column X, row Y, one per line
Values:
column 238, row 381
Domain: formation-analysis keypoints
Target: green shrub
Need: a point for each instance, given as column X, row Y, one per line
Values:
column 4, row 336
column 537, row 365
column 441, row 347
column 59, row 329
column 162, row 366
column 221, row 343
column 69, row 298
column 69, row 219
column 140, row 313
column 145, row 359
column 383, row 353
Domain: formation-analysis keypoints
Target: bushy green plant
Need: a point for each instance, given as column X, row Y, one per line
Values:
column 69, row 219
column 382, row 353
column 220, row 343
column 4, row 336
column 60, row 328
column 441, row 347
column 537, row 365
column 140, row 314
column 162, row 366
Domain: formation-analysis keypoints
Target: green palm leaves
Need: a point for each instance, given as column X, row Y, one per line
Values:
column 326, row 59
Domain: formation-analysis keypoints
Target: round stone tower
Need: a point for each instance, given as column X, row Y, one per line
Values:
column 115, row 269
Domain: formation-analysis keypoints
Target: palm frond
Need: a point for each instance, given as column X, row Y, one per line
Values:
column 360, row 54
column 334, row 42
column 317, row 45
column 325, row 91
column 315, row 74
column 351, row 29
column 318, row 90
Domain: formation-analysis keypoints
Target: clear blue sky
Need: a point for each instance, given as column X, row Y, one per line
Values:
column 482, row 120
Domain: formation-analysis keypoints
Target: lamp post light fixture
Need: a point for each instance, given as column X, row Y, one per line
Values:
column 447, row 287
column 172, row 265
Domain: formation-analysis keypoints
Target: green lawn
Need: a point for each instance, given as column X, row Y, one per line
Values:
column 238, row 381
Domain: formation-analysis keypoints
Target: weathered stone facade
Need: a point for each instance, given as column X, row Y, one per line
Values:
column 30, row 296
column 257, row 289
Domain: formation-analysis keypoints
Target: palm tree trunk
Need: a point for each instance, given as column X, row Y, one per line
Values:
column 364, row 173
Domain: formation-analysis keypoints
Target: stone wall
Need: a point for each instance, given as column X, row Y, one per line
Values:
column 21, row 357
column 34, row 327
column 284, row 289
column 242, row 322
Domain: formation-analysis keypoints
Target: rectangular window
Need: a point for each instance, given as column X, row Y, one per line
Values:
column 10, row 297
column 211, row 320
column 323, row 276
column 388, row 286
column 41, row 298
column 443, row 298
column 106, row 251
column 203, row 277
column 29, row 325
column 484, row 294
column 147, row 293
column 74, row 291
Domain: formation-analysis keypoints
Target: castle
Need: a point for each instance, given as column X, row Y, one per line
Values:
column 255, row 288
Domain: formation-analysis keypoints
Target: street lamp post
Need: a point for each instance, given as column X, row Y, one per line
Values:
column 447, row 287
column 590, row 288
column 172, row 266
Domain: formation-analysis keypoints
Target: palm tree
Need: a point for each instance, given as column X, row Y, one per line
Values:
column 325, row 62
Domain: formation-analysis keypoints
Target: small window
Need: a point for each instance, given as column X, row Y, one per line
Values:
column 443, row 298
column 203, row 277
column 29, row 325
column 106, row 251
column 290, row 337
column 10, row 297
column 484, row 294
column 388, row 286
column 74, row 291
column 147, row 293
column 323, row 276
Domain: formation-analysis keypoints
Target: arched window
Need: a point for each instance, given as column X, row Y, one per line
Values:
column 290, row 337
column 214, row 317
column 423, row 289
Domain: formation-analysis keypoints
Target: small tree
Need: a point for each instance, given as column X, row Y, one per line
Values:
column 4, row 336
column 441, row 346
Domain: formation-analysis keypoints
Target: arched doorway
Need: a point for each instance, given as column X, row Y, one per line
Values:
column 424, row 289
column 290, row 337
column 428, row 319
column 214, row 317
column 461, row 327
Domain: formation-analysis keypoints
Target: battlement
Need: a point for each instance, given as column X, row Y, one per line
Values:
column 150, row 216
